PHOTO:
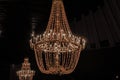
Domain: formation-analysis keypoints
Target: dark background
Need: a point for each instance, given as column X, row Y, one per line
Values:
column 16, row 19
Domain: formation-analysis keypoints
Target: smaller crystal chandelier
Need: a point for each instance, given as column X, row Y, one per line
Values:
column 25, row 73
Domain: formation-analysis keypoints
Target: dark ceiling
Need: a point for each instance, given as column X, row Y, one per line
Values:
column 74, row 8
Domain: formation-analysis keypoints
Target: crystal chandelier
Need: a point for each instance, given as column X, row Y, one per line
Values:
column 25, row 73
column 57, row 50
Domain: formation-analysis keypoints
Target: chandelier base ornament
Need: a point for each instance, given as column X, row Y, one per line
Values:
column 57, row 50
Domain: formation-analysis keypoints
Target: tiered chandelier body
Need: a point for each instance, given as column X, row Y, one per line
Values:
column 25, row 73
column 57, row 50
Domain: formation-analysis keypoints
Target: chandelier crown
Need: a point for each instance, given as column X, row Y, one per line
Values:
column 57, row 50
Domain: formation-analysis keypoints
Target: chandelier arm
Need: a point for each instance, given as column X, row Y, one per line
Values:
column 73, row 58
column 57, row 19
column 69, row 61
column 66, row 60
column 51, row 59
column 63, row 25
column 54, row 23
column 65, row 17
column 39, row 60
column 47, row 61
column 41, row 66
column 63, row 59
column 50, row 19
column 76, row 60
column 71, row 67
column 57, row 60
